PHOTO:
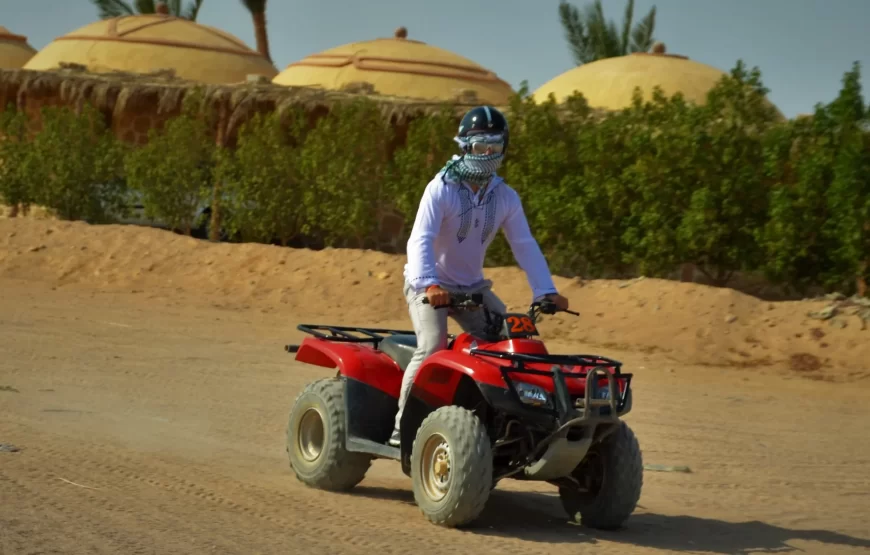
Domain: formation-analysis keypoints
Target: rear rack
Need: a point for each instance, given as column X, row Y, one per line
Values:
column 350, row 334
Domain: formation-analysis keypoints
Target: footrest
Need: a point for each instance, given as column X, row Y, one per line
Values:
column 379, row 450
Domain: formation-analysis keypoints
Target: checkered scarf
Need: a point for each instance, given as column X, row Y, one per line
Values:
column 475, row 168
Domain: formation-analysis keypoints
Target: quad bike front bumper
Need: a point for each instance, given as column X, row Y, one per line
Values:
column 572, row 424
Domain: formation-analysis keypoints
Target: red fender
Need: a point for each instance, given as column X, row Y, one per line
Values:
column 354, row 360
column 439, row 375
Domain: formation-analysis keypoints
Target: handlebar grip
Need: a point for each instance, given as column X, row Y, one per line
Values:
column 426, row 301
column 458, row 298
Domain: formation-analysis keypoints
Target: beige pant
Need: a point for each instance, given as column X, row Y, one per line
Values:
column 430, row 325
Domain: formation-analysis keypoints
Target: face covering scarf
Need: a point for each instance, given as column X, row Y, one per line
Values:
column 477, row 169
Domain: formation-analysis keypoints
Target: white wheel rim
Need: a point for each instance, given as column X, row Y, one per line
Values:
column 310, row 435
column 435, row 467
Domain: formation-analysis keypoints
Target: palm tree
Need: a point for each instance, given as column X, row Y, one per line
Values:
column 258, row 14
column 115, row 8
column 591, row 37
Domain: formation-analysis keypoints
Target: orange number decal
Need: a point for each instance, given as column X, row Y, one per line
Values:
column 521, row 324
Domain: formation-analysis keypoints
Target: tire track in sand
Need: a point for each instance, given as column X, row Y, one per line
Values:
column 319, row 520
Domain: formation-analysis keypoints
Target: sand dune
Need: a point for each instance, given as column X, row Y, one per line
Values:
column 692, row 323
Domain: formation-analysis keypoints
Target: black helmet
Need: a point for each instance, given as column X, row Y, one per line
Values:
column 484, row 119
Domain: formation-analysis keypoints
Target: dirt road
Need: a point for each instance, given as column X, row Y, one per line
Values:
column 148, row 426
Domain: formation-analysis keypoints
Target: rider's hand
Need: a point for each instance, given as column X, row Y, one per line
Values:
column 437, row 296
column 560, row 301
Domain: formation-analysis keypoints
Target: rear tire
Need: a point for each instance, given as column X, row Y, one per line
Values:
column 316, row 439
column 451, row 467
column 613, row 472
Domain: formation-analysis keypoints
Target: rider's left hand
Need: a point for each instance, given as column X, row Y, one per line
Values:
column 560, row 301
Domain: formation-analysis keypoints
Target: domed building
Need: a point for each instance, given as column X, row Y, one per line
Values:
column 155, row 42
column 609, row 83
column 398, row 66
column 14, row 50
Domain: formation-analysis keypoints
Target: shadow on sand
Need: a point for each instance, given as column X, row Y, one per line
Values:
column 539, row 517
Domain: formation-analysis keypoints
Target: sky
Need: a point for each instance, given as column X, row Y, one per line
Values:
column 802, row 47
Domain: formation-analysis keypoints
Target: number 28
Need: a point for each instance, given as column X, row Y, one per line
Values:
column 521, row 324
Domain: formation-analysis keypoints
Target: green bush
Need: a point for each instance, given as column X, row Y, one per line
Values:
column 263, row 190
column 74, row 166
column 637, row 176
column 427, row 149
column 799, row 166
column 174, row 171
column 729, row 199
column 817, row 232
column 342, row 167
column 13, row 151
column 849, row 195
column 725, row 186
column 541, row 165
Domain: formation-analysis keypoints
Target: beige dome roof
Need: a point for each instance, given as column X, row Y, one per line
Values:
column 398, row 66
column 14, row 50
column 610, row 83
column 148, row 43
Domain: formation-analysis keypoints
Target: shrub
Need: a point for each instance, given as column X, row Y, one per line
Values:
column 542, row 166
column 818, row 229
column 13, row 151
column 729, row 200
column 263, row 190
column 173, row 172
column 342, row 168
column 74, row 166
column 427, row 149
column 724, row 186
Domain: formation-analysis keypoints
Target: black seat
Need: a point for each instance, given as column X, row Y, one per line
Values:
column 400, row 348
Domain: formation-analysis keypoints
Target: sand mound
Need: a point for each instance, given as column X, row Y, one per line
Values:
column 692, row 323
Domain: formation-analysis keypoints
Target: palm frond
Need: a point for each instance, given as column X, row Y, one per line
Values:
column 112, row 8
column 575, row 32
column 613, row 42
column 628, row 19
column 591, row 36
column 642, row 37
column 596, row 23
column 191, row 11
column 145, row 6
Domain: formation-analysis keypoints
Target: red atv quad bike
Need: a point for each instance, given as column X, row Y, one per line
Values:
column 479, row 411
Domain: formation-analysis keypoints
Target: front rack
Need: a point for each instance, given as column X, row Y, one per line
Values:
column 520, row 359
column 563, row 409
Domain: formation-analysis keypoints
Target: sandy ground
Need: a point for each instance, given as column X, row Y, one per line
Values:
column 148, row 395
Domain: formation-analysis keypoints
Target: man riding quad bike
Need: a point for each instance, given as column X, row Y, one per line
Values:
column 463, row 412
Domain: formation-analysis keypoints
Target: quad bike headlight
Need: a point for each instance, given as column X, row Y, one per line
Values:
column 533, row 395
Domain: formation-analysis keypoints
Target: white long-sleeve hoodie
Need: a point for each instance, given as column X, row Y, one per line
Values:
column 454, row 228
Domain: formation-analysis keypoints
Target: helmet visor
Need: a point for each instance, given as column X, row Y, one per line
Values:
column 487, row 148
column 483, row 144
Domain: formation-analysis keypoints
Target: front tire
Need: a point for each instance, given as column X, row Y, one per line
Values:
column 612, row 474
column 451, row 467
column 316, row 439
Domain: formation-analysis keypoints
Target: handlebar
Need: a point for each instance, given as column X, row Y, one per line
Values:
column 549, row 307
column 475, row 300
column 461, row 300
